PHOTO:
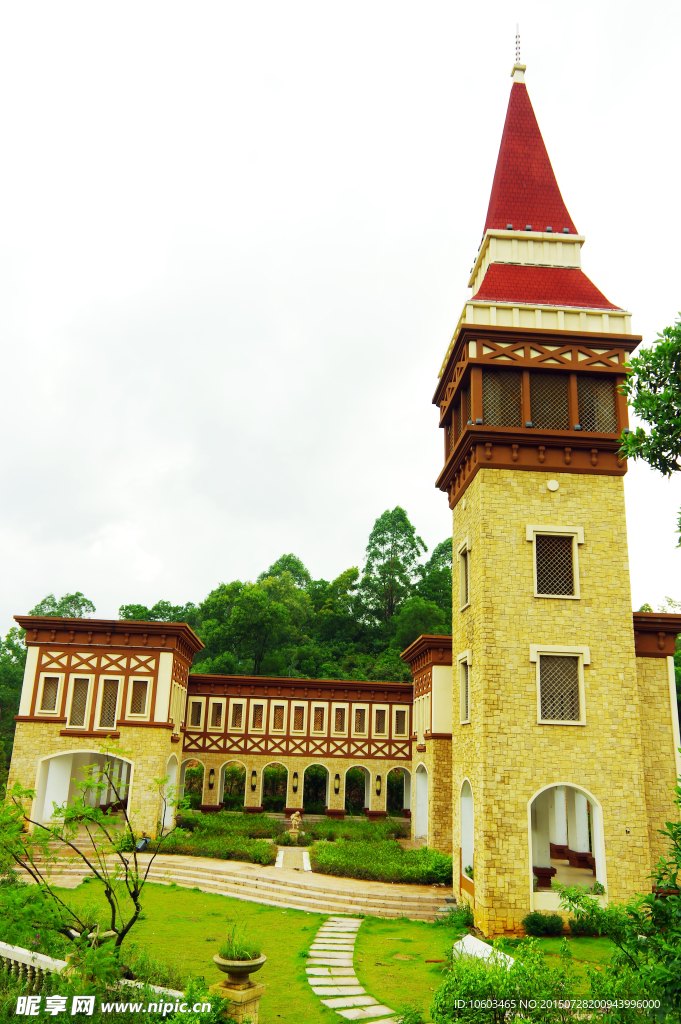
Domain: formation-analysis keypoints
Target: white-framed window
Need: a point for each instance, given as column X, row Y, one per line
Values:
column 195, row 707
column 380, row 721
column 464, row 662
column 463, row 554
column 79, row 701
column 49, row 693
column 110, row 689
column 278, row 716
column 339, row 719
column 258, row 715
column 360, row 719
column 139, row 697
column 555, row 560
column 237, row 716
column 560, row 683
column 298, row 718
column 319, row 719
column 400, row 721
column 216, row 715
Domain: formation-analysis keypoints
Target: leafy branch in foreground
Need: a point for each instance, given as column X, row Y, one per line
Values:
column 112, row 854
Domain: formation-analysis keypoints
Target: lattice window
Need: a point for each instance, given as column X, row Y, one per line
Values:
column 464, row 567
column 360, row 719
column 465, row 691
column 298, row 718
column 380, row 723
column 450, row 438
column 319, row 719
column 107, row 712
column 559, row 688
column 278, row 722
column 195, row 714
column 597, row 404
column 48, row 701
column 502, row 398
column 138, row 701
column 549, row 401
column 216, row 716
column 237, row 715
column 400, row 723
column 257, row 716
column 555, row 565
column 339, row 720
column 79, row 701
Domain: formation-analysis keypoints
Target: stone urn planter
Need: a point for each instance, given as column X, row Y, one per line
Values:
column 242, row 994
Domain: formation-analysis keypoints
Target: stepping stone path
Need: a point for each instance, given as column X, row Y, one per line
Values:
column 331, row 974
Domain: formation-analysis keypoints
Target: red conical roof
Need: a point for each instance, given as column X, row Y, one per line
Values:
column 525, row 190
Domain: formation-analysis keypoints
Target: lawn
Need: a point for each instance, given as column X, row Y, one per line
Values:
column 184, row 926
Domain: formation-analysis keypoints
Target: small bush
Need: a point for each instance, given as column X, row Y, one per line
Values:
column 458, row 917
column 583, row 927
column 382, row 862
column 543, row 924
column 222, row 846
column 235, row 945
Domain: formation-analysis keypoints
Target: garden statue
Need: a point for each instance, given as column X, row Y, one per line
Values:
column 296, row 821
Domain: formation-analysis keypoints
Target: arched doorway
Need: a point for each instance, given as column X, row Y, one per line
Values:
column 467, row 830
column 315, row 789
column 357, row 789
column 232, row 792
column 191, row 782
column 421, row 816
column 274, row 786
column 60, row 779
column 399, row 792
column 566, row 833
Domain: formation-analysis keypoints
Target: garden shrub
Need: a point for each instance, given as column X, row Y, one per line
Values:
column 357, row 830
column 582, row 926
column 540, row 924
column 382, row 861
column 250, row 826
column 458, row 917
column 220, row 845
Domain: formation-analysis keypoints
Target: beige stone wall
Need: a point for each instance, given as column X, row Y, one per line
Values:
column 437, row 759
column 504, row 753
column 658, row 748
column 148, row 749
column 295, row 764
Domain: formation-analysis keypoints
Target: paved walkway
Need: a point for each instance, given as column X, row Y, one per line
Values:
column 331, row 973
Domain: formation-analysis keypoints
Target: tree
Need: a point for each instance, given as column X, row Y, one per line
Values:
column 653, row 388
column 12, row 662
column 391, row 564
column 268, row 615
column 435, row 579
column 70, row 606
column 290, row 564
column 416, row 617
column 162, row 611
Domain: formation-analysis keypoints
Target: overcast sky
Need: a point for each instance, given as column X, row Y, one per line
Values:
column 234, row 242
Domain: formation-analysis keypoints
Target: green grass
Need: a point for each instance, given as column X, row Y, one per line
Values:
column 382, row 861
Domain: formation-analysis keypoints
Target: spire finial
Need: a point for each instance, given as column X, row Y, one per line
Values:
column 518, row 72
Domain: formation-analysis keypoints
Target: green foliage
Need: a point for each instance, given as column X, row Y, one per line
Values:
column 202, row 843
column 70, row 606
column 293, row 566
column 416, row 617
column 162, row 611
column 12, row 662
column 382, row 861
column 477, row 991
column 247, row 826
column 458, row 917
column 235, row 945
column 539, row 924
column 391, row 564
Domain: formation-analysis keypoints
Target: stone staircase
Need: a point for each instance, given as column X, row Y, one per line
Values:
column 281, row 888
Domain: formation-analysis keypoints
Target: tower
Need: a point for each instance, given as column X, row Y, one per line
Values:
column 559, row 712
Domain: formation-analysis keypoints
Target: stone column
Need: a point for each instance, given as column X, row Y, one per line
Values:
column 406, row 799
column 335, row 807
column 294, row 801
column 578, row 829
column 251, row 805
column 558, row 823
column 541, row 844
column 378, row 802
column 210, row 798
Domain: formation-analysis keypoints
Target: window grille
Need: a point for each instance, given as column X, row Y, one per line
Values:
column 549, row 401
column 360, row 717
column 597, row 404
column 502, row 398
column 450, row 439
column 79, row 701
column 463, row 578
column 138, row 701
column 555, row 568
column 319, row 719
column 237, row 713
column 278, row 716
column 339, row 720
column 380, row 722
column 257, row 716
column 49, row 698
column 298, row 718
column 216, row 716
column 559, row 688
column 400, row 723
column 465, row 695
column 195, row 719
column 107, row 712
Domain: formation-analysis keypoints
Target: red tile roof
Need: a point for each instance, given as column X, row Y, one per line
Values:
column 525, row 190
column 542, row 286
